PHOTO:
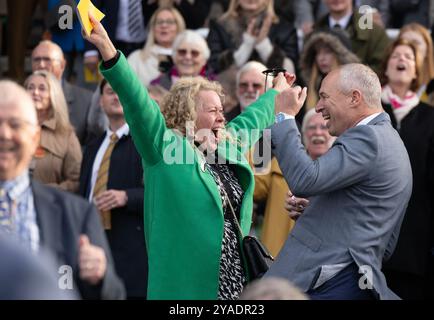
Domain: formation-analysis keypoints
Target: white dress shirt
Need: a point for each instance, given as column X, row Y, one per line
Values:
column 122, row 131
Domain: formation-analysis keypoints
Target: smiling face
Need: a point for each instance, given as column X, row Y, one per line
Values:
column 210, row 118
column 333, row 105
column 316, row 136
column 19, row 136
column 189, row 59
column 401, row 67
column 250, row 87
column 165, row 28
column 38, row 88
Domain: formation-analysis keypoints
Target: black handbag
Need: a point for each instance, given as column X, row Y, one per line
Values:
column 256, row 257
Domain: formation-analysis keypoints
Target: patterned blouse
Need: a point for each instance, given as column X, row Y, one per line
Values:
column 231, row 275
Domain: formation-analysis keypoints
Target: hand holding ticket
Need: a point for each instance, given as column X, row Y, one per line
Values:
column 85, row 7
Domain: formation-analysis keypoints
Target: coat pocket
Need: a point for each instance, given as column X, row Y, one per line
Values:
column 306, row 237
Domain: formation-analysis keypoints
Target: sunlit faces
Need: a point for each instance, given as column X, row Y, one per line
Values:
column 47, row 57
column 109, row 101
column 19, row 137
column 37, row 87
column 189, row 59
column 165, row 28
column 418, row 40
column 401, row 67
column 210, row 118
column 325, row 59
column 252, row 5
column 251, row 85
column 333, row 105
column 316, row 136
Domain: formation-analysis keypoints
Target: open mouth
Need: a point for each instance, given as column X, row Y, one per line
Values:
column 401, row 67
column 317, row 140
column 326, row 117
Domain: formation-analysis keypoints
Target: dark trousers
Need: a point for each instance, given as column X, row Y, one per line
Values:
column 343, row 286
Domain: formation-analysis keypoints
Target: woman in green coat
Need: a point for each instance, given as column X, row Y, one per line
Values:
column 193, row 165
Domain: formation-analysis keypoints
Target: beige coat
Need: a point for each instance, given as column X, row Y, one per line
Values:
column 58, row 159
column 273, row 188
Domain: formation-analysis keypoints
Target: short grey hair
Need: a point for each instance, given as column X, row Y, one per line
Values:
column 308, row 115
column 13, row 94
column 194, row 38
column 360, row 77
column 253, row 65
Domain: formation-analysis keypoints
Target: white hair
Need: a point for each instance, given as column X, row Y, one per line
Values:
column 356, row 76
column 13, row 94
column 194, row 38
column 308, row 115
column 253, row 65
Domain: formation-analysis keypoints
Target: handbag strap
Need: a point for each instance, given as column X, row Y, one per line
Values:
column 233, row 212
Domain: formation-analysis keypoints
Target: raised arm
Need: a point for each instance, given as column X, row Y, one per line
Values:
column 147, row 124
column 260, row 114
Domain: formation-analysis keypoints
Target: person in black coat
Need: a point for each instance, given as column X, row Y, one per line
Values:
column 410, row 268
column 123, row 195
column 42, row 218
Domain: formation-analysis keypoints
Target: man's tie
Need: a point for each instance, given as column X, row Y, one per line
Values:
column 135, row 18
column 5, row 212
column 337, row 26
column 102, row 179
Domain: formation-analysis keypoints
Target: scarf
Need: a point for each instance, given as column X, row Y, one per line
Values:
column 400, row 106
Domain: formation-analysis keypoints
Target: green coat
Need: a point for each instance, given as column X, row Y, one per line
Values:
column 183, row 209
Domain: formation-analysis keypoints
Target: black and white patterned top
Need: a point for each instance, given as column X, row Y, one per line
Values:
column 231, row 275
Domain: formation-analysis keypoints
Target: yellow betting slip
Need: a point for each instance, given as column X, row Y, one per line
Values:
column 85, row 7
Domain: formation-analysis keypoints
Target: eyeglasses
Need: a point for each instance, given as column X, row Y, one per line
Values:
column 46, row 60
column 246, row 85
column 313, row 127
column 16, row 124
column 169, row 22
column 183, row 52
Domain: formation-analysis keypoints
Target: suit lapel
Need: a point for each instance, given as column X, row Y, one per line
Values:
column 49, row 217
column 206, row 177
column 91, row 151
column 68, row 92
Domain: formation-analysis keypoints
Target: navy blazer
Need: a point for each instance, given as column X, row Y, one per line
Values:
column 62, row 217
column 126, row 237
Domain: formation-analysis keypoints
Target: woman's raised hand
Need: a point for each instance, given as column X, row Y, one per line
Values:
column 100, row 39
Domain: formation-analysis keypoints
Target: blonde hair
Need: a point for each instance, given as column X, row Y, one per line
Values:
column 235, row 8
column 59, row 108
column 180, row 105
column 428, row 63
column 150, row 42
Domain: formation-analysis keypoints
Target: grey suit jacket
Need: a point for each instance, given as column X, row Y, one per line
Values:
column 358, row 194
column 79, row 102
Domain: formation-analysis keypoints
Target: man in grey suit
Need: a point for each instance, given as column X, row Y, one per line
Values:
column 358, row 190
column 49, row 56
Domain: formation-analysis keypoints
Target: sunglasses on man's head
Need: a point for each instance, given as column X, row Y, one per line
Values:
column 183, row 52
